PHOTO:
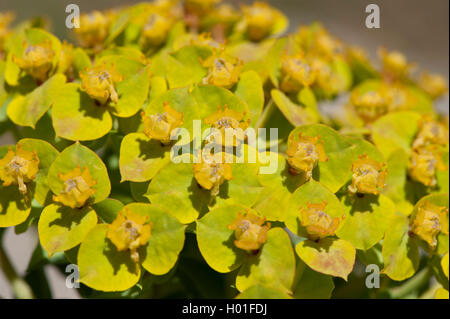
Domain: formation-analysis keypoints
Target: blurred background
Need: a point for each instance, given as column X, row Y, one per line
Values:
column 418, row 28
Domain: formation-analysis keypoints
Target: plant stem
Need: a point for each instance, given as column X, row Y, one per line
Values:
column 19, row 286
column 421, row 278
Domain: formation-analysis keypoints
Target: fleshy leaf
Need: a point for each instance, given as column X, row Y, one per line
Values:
column 329, row 256
column 366, row 219
column 250, row 89
column 166, row 240
column 26, row 110
column 141, row 158
column 294, row 113
column 61, row 227
column 310, row 284
column 79, row 155
column 108, row 209
column 215, row 240
column 400, row 252
column 77, row 117
column 273, row 266
column 314, row 193
column 104, row 268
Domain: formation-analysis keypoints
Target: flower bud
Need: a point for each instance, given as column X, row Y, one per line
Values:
column 424, row 163
column 159, row 126
column 431, row 132
column 297, row 72
column 36, row 60
column 19, row 167
column 260, row 19
column 93, row 29
column 304, row 154
column 368, row 176
column 318, row 224
column 129, row 231
column 98, row 81
column 249, row 232
column 77, row 188
column 429, row 221
column 224, row 70
column 154, row 32
column 433, row 84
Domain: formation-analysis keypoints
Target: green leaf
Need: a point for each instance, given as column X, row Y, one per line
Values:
column 14, row 207
column 389, row 132
column 176, row 189
column 26, row 110
column 77, row 117
column 274, row 265
column 261, row 292
column 166, row 240
column 216, row 241
column 79, row 155
column 336, row 171
column 250, row 89
column 329, row 256
column 104, row 268
column 141, row 158
column 366, row 220
column 294, row 113
column 61, row 228
column 273, row 60
column 314, row 193
column 310, row 284
column 108, row 209
column 400, row 252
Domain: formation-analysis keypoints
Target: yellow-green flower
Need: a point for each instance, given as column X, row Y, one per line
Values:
column 368, row 176
column 317, row 223
column 36, row 60
column 159, row 126
column 19, row 167
column 129, row 231
column 98, row 81
column 395, row 64
column 77, row 188
column 429, row 221
column 5, row 20
column 200, row 7
column 249, row 232
column 93, row 29
column 370, row 105
column 259, row 18
column 155, row 31
column 424, row 163
column 212, row 172
column 224, row 70
column 434, row 84
column 431, row 132
column 226, row 119
column 297, row 72
column 304, row 153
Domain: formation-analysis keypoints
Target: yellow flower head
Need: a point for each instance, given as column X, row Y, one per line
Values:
column 370, row 105
column 304, row 154
column 224, row 70
column 155, row 31
column 434, row 84
column 429, row 221
column 249, row 231
column 77, row 188
column 326, row 78
column 212, row 172
column 200, row 7
column 19, row 167
column 205, row 39
column 36, row 60
column 226, row 120
column 159, row 126
column 5, row 19
column 297, row 72
column 368, row 176
column 318, row 224
column 93, row 29
column 395, row 63
column 424, row 163
column 431, row 132
column 98, row 81
column 129, row 231
column 260, row 18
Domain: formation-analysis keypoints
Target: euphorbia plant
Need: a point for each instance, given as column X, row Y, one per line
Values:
column 123, row 162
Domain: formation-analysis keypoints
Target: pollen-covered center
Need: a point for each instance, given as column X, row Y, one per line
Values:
column 249, row 232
